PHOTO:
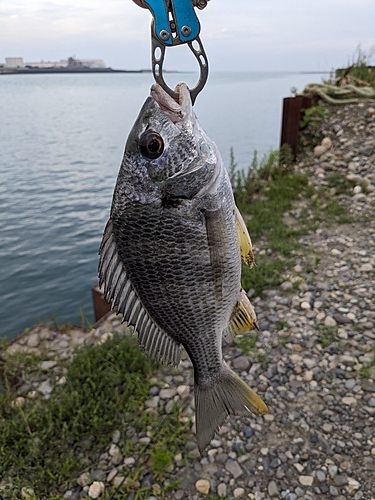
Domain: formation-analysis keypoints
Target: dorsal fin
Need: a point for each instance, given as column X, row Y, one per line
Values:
column 243, row 318
column 120, row 293
column 244, row 240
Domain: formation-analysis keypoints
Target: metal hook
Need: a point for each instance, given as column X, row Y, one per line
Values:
column 158, row 60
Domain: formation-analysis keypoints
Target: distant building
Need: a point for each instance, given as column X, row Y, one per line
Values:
column 17, row 62
column 14, row 62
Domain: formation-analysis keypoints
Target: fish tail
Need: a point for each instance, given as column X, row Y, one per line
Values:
column 228, row 395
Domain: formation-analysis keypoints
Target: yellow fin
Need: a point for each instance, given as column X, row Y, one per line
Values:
column 243, row 317
column 244, row 240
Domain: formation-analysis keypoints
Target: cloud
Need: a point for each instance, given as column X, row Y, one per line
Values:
column 237, row 35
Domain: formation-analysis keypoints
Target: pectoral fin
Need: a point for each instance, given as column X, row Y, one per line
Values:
column 243, row 318
column 244, row 240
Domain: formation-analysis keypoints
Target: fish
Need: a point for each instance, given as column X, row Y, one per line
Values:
column 170, row 257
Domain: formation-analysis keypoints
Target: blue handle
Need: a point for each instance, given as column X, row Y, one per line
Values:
column 187, row 24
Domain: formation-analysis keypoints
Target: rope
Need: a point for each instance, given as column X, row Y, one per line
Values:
column 347, row 94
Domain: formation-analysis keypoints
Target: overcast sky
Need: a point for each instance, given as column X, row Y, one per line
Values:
column 238, row 35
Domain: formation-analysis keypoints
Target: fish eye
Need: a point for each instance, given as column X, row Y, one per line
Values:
column 151, row 144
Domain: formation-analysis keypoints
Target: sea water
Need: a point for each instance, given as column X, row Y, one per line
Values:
column 62, row 138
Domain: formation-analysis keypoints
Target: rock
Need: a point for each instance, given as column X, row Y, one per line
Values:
column 84, row 479
column 305, row 305
column 168, row 393
column 326, row 143
column 222, row 490
column 366, row 150
column 116, row 436
column 329, row 321
column 286, row 285
column 321, row 477
column 241, row 363
column 27, row 493
column 47, row 365
column 234, row 468
column 45, row 387
column 239, row 492
column 33, row 340
column 340, row 480
column 319, row 151
column 203, row 486
column 96, row 489
column 349, row 400
column 273, row 489
column 366, row 267
column 306, row 480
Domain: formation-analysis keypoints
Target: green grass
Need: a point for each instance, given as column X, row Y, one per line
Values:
column 246, row 343
column 264, row 193
column 44, row 443
column 328, row 336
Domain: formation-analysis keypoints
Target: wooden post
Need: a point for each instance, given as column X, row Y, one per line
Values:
column 292, row 110
column 101, row 306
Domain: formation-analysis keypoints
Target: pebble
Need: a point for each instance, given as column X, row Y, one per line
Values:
column 203, row 486
column 96, row 489
column 273, row 489
column 239, row 492
column 306, row 480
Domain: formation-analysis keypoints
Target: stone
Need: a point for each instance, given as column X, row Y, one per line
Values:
column 203, row 486
column 273, row 489
column 111, row 475
column 306, row 480
column 222, row 490
column 241, row 363
column 47, row 365
column 27, row 493
column 84, row 479
column 321, row 477
column 286, row 285
column 366, row 150
column 168, row 393
column 116, row 436
column 33, row 340
column 353, row 485
column 305, row 305
column 326, row 143
column 329, row 321
column 96, row 489
column 239, row 493
column 319, row 151
column 340, row 480
column 234, row 468
column 45, row 387
column 366, row 267
column 349, row 400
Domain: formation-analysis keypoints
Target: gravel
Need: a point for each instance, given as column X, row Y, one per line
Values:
column 313, row 362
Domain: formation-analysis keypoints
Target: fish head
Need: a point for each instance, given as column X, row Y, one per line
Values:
column 167, row 149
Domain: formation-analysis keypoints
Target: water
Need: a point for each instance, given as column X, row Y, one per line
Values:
column 61, row 143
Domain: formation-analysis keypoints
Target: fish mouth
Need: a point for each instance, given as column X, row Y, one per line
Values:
column 176, row 111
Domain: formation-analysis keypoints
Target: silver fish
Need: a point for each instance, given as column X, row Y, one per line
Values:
column 170, row 258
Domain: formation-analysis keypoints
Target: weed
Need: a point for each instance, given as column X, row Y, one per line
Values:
column 263, row 360
column 312, row 116
column 246, row 344
column 160, row 460
column 328, row 337
column 341, row 184
column 44, row 440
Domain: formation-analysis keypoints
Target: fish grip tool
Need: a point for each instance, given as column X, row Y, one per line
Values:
column 174, row 23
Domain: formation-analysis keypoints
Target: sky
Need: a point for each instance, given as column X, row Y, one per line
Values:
column 238, row 35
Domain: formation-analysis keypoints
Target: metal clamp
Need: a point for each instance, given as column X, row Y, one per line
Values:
column 158, row 54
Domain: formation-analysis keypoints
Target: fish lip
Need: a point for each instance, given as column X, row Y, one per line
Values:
column 176, row 111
